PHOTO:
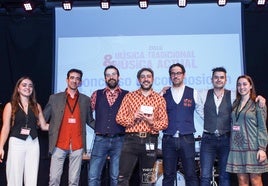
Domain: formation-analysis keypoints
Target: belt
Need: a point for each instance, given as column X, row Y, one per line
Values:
column 142, row 134
column 110, row 135
column 217, row 134
column 180, row 135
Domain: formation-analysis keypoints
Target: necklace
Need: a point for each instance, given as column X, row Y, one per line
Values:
column 218, row 96
column 25, row 105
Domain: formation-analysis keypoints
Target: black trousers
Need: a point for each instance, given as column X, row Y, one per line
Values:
column 141, row 150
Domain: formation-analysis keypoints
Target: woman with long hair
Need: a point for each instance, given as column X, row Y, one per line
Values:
column 21, row 118
column 247, row 157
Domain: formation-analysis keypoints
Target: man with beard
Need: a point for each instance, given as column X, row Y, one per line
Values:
column 143, row 113
column 109, row 135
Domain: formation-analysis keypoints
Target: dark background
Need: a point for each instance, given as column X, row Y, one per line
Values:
column 27, row 48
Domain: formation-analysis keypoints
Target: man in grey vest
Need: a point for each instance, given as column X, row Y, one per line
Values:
column 215, row 143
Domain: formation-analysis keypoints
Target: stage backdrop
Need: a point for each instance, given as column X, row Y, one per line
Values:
column 130, row 38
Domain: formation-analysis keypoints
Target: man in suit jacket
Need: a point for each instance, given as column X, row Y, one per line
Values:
column 68, row 113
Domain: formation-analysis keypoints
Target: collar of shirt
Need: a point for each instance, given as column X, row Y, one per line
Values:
column 68, row 94
column 177, row 93
column 217, row 101
column 139, row 91
column 112, row 95
column 116, row 90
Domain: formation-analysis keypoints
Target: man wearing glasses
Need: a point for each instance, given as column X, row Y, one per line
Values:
column 178, row 139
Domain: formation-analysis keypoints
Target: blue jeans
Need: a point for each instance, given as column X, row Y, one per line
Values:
column 104, row 147
column 213, row 147
column 56, row 166
column 182, row 148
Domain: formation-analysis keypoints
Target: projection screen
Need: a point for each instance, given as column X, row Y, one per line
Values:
column 200, row 36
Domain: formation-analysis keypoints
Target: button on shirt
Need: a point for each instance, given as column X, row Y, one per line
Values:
column 70, row 135
column 111, row 96
column 217, row 101
column 132, row 102
column 199, row 105
column 203, row 95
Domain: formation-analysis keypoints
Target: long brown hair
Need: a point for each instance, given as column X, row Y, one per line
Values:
column 15, row 100
column 252, row 94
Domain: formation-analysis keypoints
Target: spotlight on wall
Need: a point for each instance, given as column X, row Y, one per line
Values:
column 105, row 4
column 143, row 4
column 28, row 6
column 261, row 2
column 222, row 2
column 67, row 5
column 182, row 3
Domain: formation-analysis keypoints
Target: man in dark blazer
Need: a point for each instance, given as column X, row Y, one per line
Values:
column 68, row 113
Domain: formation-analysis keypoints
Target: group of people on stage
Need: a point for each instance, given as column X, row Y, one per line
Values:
column 127, row 126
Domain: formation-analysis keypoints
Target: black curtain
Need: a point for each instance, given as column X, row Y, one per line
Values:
column 26, row 45
column 256, row 48
column 26, row 49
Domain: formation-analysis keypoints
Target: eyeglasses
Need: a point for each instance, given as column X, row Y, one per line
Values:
column 176, row 73
column 110, row 75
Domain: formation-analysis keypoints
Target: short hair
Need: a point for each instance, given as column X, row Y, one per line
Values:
column 176, row 65
column 218, row 69
column 75, row 70
column 144, row 69
column 111, row 67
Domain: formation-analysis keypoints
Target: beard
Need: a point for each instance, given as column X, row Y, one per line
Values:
column 143, row 87
column 112, row 83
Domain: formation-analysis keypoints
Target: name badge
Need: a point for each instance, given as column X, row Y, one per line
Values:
column 25, row 131
column 236, row 128
column 71, row 120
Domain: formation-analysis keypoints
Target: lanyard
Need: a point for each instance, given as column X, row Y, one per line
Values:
column 237, row 114
column 26, row 120
column 26, row 114
column 69, row 106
